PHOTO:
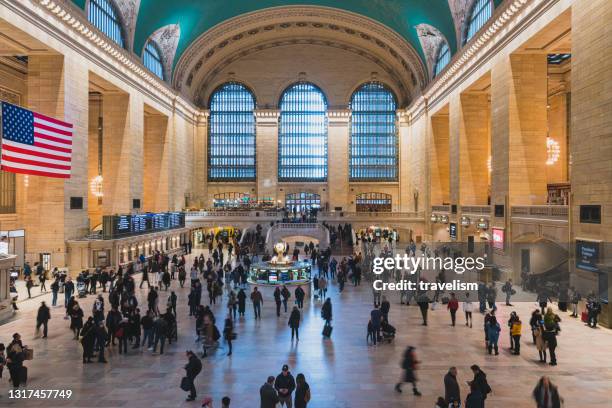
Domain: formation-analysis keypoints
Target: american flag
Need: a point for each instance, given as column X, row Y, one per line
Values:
column 35, row 144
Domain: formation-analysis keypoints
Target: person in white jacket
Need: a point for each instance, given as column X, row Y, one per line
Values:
column 468, row 308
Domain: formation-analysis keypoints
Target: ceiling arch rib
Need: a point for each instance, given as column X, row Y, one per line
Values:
column 431, row 39
column 167, row 39
column 325, row 26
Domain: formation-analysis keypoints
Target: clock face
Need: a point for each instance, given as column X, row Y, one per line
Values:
column 279, row 247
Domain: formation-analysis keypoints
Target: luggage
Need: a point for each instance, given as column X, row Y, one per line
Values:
column 29, row 354
column 23, row 375
column 327, row 331
column 185, row 384
column 584, row 317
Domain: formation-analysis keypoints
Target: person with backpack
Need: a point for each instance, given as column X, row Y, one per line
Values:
column 507, row 289
column 409, row 365
column 493, row 329
column 551, row 328
column 192, row 369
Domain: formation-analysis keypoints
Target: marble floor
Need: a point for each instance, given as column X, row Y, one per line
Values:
column 343, row 372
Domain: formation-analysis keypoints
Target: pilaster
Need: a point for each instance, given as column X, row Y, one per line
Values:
column 338, row 158
column 266, row 124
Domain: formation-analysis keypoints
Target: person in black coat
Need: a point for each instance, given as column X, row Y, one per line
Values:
column 286, row 295
column 241, row 302
column 88, row 339
column 299, row 296
column 546, row 394
column 480, row 382
column 192, row 369
column 294, row 323
column 409, row 365
column 101, row 337
column 15, row 355
column 42, row 318
column 268, row 395
column 326, row 311
column 284, row 385
column 474, row 398
column 452, row 392
column 277, row 300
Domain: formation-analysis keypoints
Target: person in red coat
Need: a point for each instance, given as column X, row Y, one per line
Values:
column 452, row 306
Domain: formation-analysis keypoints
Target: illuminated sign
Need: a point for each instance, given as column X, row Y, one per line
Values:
column 498, row 238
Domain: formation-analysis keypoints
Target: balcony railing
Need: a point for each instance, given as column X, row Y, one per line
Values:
column 440, row 208
column 547, row 212
column 476, row 209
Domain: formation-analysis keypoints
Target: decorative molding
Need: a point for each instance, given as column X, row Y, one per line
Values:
column 325, row 21
column 338, row 117
column 209, row 82
column 10, row 96
column 167, row 38
column 431, row 39
column 266, row 117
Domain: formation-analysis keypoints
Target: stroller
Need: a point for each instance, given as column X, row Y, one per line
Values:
column 81, row 289
column 388, row 332
column 210, row 338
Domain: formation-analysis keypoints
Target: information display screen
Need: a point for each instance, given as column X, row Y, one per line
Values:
column 119, row 226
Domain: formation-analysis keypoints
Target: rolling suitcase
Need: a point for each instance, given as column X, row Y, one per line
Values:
column 23, row 375
column 327, row 331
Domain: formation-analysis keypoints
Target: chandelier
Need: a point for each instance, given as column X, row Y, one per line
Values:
column 96, row 186
column 552, row 151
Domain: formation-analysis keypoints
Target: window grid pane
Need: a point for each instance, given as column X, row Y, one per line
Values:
column 231, row 135
column 302, row 201
column 152, row 60
column 373, row 144
column 443, row 58
column 482, row 11
column 7, row 193
column 373, row 202
column 302, row 139
column 101, row 13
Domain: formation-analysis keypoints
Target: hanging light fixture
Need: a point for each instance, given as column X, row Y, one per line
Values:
column 553, row 151
column 96, row 186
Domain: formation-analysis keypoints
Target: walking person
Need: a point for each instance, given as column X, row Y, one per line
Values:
column 192, row 369
column 145, row 277
column 326, row 314
column 286, row 295
column 299, row 296
column 88, row 339
column 294, row 323
column 241, row 302
column 546, row 395
column 409, row 365
column 452, row 307
column 285, row 385
column 507, row 289
column 257, row 300
column 228, row 333
column 468, row 308
column 15, row 356
column 42, row 318
column 76, row 320
column 277, row 300
column 551, row 327
column 302, row 391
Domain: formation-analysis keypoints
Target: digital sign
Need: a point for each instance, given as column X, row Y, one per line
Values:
column 119, row 226
column 587, row 255
column 498, row 238
column 452, row 230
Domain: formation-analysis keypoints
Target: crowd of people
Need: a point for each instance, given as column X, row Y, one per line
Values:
column 119, row 321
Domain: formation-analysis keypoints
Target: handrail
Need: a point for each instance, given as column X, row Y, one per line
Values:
column 540, row 211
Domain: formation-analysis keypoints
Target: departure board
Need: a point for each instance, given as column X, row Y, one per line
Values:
column 119, row 226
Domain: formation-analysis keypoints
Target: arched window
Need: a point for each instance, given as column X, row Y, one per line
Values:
column 443, row 58
column 302, row 139
column 152, row 59
column 302, row 201
column 481, row 12
column 373, row 143
column 103, row 15
column 373, row 202
column 231, row 134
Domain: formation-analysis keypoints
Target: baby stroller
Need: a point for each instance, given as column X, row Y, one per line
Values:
column 210, row 339
column 81, row 289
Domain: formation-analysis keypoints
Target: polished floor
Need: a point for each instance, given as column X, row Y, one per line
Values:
column 343, row 372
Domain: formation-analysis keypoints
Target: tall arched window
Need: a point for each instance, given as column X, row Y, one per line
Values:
column 152, row 59
column 373, row 143
column 481, row 12
column 231, row 134
column 302, row 139
column 103, row 15
column 442, row 59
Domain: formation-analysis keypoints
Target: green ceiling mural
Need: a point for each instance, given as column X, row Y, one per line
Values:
column 197, row 16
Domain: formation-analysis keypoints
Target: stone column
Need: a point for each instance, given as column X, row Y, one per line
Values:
column 123, row 118
column 200, row 160
column 405, row 195
column 338, row 158
column 591, row 125
column 267, row 152
column 518, row 130
column 58, row 87
column 156, row 189
column 439, row 163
